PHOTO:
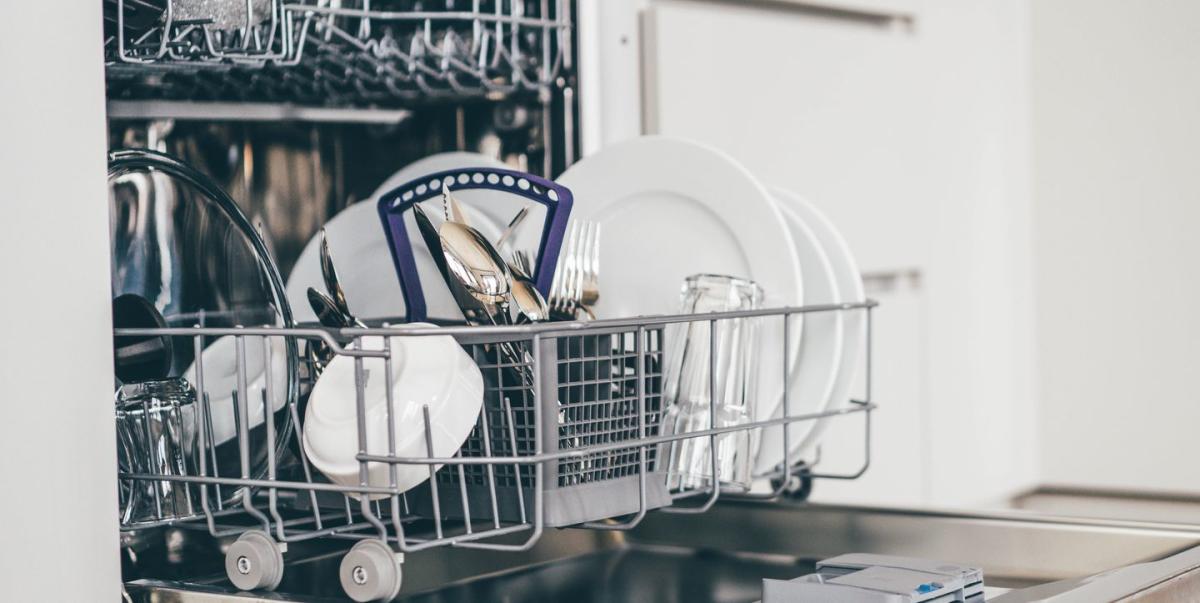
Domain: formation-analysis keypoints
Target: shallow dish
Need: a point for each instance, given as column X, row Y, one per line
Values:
column 854, row 323
column 430, row 371
column 812, row 382
column 363, row 257
column 219, row 362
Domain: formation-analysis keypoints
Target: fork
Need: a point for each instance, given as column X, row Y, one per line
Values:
column 576, row 285
column 589, row 286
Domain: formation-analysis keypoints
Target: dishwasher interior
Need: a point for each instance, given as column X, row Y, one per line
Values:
column 298, row 111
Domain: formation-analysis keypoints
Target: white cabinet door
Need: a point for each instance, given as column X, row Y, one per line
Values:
column 820, row 104
column 911, row 134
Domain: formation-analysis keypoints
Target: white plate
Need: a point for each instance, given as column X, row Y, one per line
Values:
column 671, row 208
column 426, row 371
column 854, row 323
column 220, row 381
column 363, row 258
column 811, row 385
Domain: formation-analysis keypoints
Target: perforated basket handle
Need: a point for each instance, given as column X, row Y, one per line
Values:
column 395, row 202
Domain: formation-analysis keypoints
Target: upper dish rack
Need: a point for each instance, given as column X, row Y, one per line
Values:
column 335, row 52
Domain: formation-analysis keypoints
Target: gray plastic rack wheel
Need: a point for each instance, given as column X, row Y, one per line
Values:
column 254, row 562
column 370, row 571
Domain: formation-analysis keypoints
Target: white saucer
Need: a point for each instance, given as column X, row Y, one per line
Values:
column 221, row 381
column 426, row 371
column 811, row 384
column 363, row 258
column 854, row 323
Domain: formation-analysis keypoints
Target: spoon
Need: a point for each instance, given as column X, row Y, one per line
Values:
column 336, row 294
column 472, row 310
column 483, row 274
column 529, row 301
column 327, row 311
column 472, row 260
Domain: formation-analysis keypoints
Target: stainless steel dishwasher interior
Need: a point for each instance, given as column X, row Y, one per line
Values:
column 723, row 555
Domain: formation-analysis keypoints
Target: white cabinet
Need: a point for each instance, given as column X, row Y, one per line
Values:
column 911, row 134
column 818, row 104
column 1116, row 87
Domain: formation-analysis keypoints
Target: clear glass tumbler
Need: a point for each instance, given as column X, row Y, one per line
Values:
column 156, row 435
column 710, row 381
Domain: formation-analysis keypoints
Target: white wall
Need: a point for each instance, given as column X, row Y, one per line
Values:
column 914, row 140
column 58, row 492
column 1116, row 91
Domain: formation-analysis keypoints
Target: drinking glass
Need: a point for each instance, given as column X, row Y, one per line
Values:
column 156, row 435
column 710, row 381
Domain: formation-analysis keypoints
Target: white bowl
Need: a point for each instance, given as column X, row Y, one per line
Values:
column 427, row 371
column 220, row 382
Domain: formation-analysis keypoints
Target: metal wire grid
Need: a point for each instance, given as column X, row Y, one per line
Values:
column 507, row 401
column 504, row 471
column 598, row 402
column 338, row 52
column 153, row 31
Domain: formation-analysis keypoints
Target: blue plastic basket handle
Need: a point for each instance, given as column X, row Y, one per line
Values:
column 395, row 202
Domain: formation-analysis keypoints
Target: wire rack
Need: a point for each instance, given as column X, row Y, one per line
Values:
column 335, row 52
column 566, row 436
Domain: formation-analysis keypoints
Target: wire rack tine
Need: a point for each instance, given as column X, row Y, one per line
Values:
column 588, row 415
column 463, row 50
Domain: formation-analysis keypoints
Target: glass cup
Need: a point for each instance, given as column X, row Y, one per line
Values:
column 156, row 435
column 710, row 381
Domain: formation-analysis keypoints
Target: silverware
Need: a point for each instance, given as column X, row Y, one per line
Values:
column 327, row 311
column 576, row 286
column 528, row 300
column 479, row 269
column 472, row 260
column 430, row 235
column 513, row 224
column 453, row 209
column 332, row 285
column 590, row 279
column 320, row 354
column 472, row 310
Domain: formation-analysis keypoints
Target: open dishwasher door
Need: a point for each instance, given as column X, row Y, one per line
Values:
column 725, row 554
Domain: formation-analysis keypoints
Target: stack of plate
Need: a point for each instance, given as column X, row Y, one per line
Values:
column 670, row 208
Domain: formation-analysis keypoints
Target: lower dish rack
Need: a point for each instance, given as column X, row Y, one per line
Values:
column 568, row 434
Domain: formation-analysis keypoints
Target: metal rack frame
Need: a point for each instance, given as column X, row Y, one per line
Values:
column 290, row 505
column 347, row 53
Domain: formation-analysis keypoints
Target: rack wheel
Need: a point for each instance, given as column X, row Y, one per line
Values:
column 370, row 572
column 799, row 485
column 254, row 562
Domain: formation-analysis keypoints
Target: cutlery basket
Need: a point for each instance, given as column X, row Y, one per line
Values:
column 594, row 395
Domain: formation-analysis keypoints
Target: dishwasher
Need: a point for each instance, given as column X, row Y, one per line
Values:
column 282, row 114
